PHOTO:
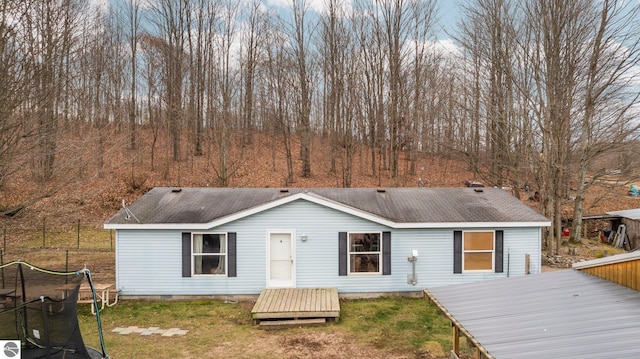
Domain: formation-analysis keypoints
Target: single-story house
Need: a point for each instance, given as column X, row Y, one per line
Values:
column 175, row 242
column 590, row 311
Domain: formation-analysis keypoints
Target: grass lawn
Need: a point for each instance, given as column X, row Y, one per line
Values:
column 379, row 328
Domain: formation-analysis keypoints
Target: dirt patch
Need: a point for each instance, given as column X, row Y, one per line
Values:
column 293, row 344
column 326, row 345
column 331, row 344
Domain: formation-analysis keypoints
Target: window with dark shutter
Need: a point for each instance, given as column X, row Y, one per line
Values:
column 499, row 255
column 186, row 254
column 231, row 254
column 478, row 251
column 386, row 253
column 342, row 253
column 206, row 254
column 457, row 252
column 364, row 253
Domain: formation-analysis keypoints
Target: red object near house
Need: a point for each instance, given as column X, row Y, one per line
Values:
column 565, row 232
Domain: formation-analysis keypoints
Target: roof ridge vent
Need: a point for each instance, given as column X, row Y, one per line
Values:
column 478, row 190
column 284, row 190
column 381, row 190
column 176, row 190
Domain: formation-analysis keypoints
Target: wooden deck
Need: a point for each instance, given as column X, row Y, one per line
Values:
column 297, row 304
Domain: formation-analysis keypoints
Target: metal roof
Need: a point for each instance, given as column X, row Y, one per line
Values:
column 560, row 314
column 165, row 205
column 627, row 213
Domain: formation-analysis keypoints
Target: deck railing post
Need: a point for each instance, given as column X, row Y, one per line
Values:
column 455, row 339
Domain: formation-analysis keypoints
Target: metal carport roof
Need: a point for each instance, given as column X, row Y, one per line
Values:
column 627, row 213
column 560, row 314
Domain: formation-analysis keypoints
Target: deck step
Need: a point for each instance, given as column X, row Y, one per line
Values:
column 296, row 303
column 291, row 322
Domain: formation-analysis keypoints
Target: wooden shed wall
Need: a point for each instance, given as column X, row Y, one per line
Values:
column 624, row 273
column 633, row 231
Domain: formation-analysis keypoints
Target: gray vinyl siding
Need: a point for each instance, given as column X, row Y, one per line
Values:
column 149, row 261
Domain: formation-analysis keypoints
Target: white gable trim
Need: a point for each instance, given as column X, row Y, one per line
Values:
column 326, row 203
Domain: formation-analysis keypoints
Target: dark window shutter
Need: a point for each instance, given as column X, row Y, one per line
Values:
column 342, row 253
column 231, row 254
column 186, row 254
column 386, row 253
column 457, row 251
column 499, row 252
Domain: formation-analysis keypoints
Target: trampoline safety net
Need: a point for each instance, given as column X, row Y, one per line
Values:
column 38, row 307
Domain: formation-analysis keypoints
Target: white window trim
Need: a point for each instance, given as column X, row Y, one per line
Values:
column 493, row 253
column 379, row 252
column 226, row 258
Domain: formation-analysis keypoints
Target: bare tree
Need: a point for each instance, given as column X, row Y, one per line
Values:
column 335, row 54
column 199, row 40
column 226, row 88
column 605, row 96
column 51, row 34
column 99, row 87
column 134, row 22
column 172, row 27
column 488, row 36
column 559, row 30
column 278, row 100
column 371, row 60
column 299, row 37
column 394, row 21
column 152, row 72
column 254, row 34
column 16, row 80
column 423, row 91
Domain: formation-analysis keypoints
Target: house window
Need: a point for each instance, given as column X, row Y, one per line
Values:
column 209, row 251
column 365, row 252
column 478, row 251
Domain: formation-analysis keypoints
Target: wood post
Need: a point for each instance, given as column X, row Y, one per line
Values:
column 456, row 338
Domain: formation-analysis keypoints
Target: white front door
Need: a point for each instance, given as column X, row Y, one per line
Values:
column 281, row 255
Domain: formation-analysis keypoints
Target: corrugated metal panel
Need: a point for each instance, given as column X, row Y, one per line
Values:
column 561, row 314
column 628, row 213
column 149, row 263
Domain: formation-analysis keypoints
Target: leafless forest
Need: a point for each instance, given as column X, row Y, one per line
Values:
column 537, row 94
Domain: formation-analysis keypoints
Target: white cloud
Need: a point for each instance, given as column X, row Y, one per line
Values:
column 446, row 47
column 279, row 3
column 319, row 6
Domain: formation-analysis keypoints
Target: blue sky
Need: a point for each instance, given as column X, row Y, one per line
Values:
column 448, row 13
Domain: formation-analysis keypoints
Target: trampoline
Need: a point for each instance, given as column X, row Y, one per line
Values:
column 38, row 307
